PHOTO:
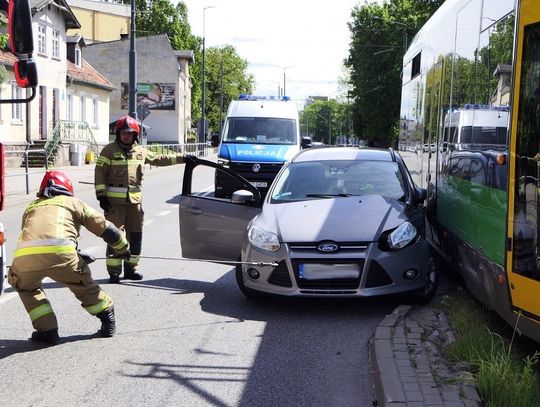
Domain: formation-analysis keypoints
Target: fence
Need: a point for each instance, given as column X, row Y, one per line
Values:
column 27, row 172
column 198, row 149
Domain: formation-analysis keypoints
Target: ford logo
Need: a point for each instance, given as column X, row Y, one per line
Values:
column 256, row 167
column 328, row 247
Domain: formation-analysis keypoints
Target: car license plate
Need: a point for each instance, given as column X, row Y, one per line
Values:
column 328, row 271
column 258, row 184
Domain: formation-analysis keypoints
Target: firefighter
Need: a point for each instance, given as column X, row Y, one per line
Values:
column 118, row 181
column 47, row 247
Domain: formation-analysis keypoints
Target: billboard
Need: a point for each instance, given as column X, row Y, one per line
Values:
column 155, row 96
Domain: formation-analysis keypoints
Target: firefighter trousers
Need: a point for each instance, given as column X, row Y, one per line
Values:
column 75, row 275
column 129, row 218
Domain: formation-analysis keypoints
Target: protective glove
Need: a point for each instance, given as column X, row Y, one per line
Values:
column 104, row 203
column 87, row 257
column 191, row 159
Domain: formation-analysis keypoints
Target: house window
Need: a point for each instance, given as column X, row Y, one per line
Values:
column 16, row 113
column 78, row 59
column 42, row 39
column 83, row 108
column 69, row 107
column 95, row 110
column 56, row 44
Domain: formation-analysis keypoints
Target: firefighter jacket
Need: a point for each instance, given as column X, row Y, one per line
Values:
column 119, row 172
column 50, row 231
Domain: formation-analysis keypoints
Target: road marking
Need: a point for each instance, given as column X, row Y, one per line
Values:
column 163, row 213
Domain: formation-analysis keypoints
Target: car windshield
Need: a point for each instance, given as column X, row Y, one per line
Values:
column 260, row 130
column 329, row 179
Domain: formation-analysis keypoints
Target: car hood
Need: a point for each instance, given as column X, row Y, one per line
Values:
column 257, row 152
column 343, row 219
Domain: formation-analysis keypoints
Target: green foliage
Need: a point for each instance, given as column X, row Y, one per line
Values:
column 235, row 80
column 502, row 376
column 378, row 33
column 322, row 118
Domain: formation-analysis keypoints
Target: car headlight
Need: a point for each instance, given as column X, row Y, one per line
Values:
column 402, row 236
column 263, row 239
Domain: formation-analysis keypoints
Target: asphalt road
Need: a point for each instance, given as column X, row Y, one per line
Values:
column 186, row 335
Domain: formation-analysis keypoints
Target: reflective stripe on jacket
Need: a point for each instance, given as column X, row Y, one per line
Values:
column 50, row 230
column 119, row 173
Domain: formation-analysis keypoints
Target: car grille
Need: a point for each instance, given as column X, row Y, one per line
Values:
column 247, row 168
column 327, row 284
column 311, row 247
column 377, row 277
column 280, row 275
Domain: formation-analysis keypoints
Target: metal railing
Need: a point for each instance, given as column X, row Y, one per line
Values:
column 70, row 131
column 27, row 172
column 198, row 149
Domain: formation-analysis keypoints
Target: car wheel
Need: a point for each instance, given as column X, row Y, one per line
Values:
column 248, row 292
column 425, row 295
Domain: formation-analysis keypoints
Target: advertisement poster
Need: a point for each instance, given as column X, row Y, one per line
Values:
column 155, row 96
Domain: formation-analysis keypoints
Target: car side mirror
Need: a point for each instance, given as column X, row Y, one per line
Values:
column 241, row 196
column 420, row 195
column 306, row 142
column 214, row 141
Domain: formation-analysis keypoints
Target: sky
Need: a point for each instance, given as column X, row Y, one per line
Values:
column 299, row 42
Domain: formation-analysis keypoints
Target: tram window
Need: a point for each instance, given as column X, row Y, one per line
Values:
column 415, row 69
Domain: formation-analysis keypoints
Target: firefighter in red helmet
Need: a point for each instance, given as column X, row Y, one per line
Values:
column 118, row 183
column 47, row 247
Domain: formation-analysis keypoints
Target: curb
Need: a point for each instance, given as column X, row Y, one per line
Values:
column 407, row 363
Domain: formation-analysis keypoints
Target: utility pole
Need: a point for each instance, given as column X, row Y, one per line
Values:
column 221, row 103
column 132, row 67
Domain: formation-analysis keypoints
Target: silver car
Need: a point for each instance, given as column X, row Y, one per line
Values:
column 337, row 222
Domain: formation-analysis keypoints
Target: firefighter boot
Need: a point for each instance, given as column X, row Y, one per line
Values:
column 114, row 278
column 51, row 336
column 108, row 323
column 132, row 275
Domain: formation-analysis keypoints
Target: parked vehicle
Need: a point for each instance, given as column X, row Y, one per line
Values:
column 344, row 222
column 259, row 135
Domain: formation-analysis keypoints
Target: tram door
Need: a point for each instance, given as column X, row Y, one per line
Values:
column 523, row 254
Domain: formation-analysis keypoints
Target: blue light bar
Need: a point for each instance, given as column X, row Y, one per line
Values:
column 244, row 96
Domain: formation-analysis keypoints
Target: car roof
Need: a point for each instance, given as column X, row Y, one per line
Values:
column 344, row 153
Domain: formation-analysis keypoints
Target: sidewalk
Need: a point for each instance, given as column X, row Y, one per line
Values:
column 15, row 180
column 408, row 365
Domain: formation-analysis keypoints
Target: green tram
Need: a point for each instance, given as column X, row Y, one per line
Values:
column 470, row 134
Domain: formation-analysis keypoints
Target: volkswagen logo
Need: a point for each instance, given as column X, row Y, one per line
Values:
column 328, row 247
column 256, row 167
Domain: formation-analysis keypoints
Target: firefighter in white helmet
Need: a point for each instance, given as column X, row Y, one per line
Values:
column 47, row 247
column 118, row 183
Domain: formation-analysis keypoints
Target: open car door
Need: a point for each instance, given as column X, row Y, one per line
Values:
column 214, row 228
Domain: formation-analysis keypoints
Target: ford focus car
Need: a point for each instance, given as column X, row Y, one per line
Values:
column 337, row 222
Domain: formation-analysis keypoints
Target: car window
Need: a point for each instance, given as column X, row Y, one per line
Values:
column 314, row 180
column 260, row 130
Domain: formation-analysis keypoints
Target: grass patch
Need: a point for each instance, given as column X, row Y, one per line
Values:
column 503, row 374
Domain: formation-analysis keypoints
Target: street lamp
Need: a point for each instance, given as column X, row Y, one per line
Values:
column 132, row 66
column 202, row 127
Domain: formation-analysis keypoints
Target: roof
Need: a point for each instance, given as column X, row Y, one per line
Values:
column 7, row 58
column 69, row 17
column 87, row 75
column 186, row 54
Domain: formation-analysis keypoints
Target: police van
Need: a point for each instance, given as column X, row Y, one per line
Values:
column 475, row 125
column 259, row 135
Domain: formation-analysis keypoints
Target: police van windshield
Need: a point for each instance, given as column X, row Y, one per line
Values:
column 260, row 130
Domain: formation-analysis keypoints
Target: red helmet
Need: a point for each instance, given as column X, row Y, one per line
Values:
column 55, row 183
column 127, row 123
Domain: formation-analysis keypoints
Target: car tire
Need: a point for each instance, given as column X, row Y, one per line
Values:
column 248, row 292
column 426, row 294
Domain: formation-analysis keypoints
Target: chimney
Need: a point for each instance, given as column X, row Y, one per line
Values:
column 124, row 36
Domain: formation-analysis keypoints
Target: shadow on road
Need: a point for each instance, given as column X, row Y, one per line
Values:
column 10, row 347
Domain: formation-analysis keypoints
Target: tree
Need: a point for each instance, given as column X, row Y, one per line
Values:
column 224, row 66
column 378, row 33
column 324, row 121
